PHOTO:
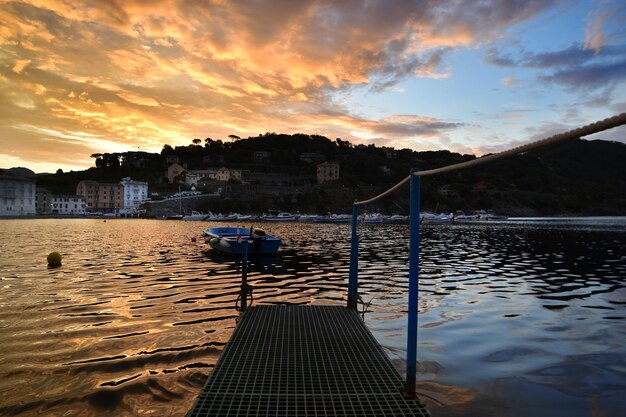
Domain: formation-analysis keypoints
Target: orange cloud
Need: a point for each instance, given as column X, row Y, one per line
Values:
column 134, row 72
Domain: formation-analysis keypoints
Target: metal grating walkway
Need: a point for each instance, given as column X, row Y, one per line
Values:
column 303, row 361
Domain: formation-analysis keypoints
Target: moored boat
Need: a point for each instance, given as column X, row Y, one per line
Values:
column 427, row 218
column 280, row 217
column 230, row 240
column 195, row 216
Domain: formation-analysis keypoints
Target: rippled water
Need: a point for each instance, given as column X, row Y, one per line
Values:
column 516, row 319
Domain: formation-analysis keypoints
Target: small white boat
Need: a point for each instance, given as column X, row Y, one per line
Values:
column 195, row 216
column 373, row 218
column 489, row 215
column 397, row 218
column 306, row 217
column 219, row 217
column 432, row 218
column 280, row 217
column 461, row 217
column 334, row 218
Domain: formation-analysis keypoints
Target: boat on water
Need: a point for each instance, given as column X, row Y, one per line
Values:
column 230, row 240
column 195, row 216
column 489, row 215
column 334, row 218
column 397, row 218
column 280, row 217
column 306, row 217
column 432, row 218
column 374, row 218
column 219, row 217
column 461, row 217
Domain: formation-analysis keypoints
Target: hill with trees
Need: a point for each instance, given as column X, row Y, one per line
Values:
column 571, row 178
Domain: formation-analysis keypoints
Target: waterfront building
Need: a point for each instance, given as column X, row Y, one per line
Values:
column 135, row 193
column 101, row 197
column 17, row 195
column 43, row 201
column 327, row 171
column 67, row 204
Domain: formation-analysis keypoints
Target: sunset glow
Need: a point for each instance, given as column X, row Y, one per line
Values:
column 81, row 77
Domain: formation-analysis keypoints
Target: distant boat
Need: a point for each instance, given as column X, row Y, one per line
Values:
column 230, row 240
column 307, row 217
column 220, row 217
column 373, row 218
column 461, row 217
column 195, row 216
column 397, row 218
column 280, row 217
column 428, row 218
column 334, row 218
column 489, row 215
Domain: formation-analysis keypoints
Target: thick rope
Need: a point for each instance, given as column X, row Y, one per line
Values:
column 587, row 130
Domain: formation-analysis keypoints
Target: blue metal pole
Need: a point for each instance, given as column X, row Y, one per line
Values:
column 244, row 274
column 354, row 261
column 414, row 250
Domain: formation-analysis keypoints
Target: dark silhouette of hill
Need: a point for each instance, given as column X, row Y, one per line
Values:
column 572, row 177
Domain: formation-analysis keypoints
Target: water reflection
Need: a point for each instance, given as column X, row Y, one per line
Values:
column 514, row 317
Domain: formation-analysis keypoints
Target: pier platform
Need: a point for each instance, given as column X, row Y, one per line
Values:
column 303, row 361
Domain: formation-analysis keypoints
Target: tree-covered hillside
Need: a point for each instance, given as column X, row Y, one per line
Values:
column 574, row 177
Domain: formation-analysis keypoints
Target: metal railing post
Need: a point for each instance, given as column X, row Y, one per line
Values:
column 414, row 248
column 354, row 261
column 244, row 274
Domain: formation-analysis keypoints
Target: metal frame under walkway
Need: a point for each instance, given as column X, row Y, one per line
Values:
column 304, row 361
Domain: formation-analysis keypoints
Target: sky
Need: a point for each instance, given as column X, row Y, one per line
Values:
column 94, row 76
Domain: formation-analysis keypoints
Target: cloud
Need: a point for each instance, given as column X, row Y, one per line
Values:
column 136, row 72
column 601, row 19
column 573, row 67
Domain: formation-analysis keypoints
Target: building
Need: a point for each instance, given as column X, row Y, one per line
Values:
column 110, row 197
column 261, row 156
column 194, row 177
column 135, row 193
column 226, row 174
column 43, row 201
column 311, row 157
column 89, row 191
column 327, row 171
column 17, row 195
column 101, row 197
column 172, row 159
column 174, row 171
column 68, row 204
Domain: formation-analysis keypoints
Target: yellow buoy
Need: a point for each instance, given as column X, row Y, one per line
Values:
column 54, row 259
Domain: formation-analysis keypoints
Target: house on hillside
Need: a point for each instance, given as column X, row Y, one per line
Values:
column 261, row 156
column 174, row 171
column 226, row 174
column 327, row 171
column 311, row 157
